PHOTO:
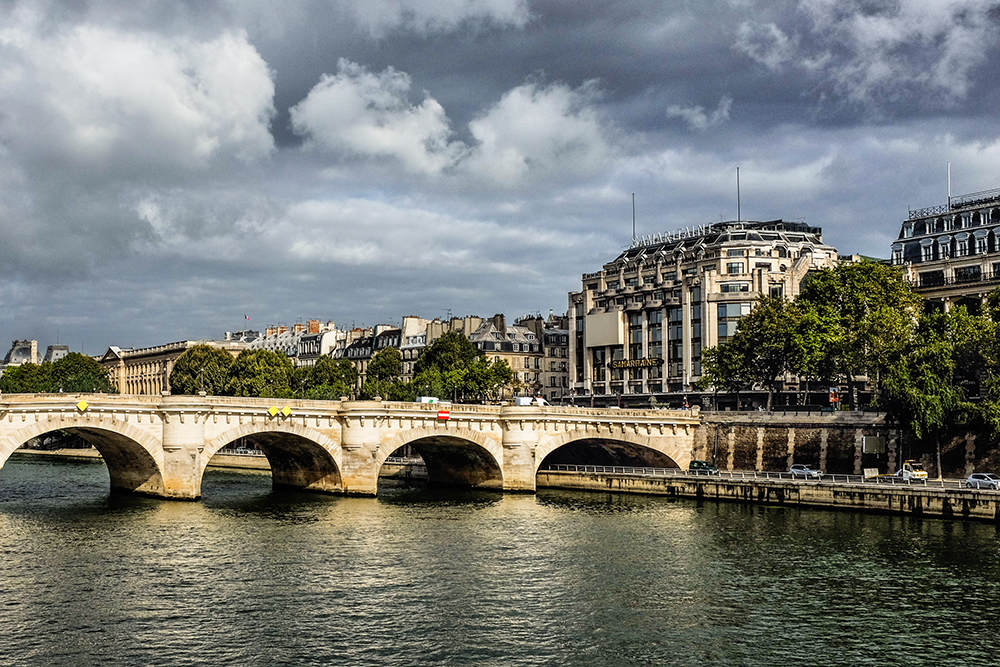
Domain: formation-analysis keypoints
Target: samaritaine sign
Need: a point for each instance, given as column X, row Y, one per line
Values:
column 635, row 363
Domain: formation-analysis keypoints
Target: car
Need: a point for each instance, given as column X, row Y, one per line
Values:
column 804, row 471
column 702, row 468
column 983, row 480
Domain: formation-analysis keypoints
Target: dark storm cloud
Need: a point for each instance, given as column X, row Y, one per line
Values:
column 166, row 167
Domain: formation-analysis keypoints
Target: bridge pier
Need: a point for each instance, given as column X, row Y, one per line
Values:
column 359, row 440
column 183, row 442
column 520, row 440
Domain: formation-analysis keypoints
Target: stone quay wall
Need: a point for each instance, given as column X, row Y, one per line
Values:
column 833, row 442
column 917, row 500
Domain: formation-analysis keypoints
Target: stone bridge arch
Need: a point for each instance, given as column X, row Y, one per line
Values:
column 677, row 448
column 134, row 457
column 449, row 457
column 299, row 456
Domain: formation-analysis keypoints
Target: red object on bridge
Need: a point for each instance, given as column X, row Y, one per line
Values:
column 444, row 414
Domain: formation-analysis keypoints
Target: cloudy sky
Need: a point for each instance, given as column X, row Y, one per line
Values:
column 168, row 168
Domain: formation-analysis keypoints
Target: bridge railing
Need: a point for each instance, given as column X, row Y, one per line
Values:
column 834, row 478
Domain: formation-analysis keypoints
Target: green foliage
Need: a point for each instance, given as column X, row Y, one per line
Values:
column 865, row 312
column 385, row 366
column 75, row 373
column 331, row 378
column 918, row 389
column 450, row 351
column 260, row 373
column 201, row 365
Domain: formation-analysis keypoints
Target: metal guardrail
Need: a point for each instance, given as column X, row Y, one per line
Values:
column 761, row 474
column 241, row 451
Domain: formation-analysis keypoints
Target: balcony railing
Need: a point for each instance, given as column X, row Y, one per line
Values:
column 955, row 203
column 987, row 277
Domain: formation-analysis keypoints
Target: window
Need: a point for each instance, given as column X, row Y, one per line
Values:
column 592, row 287
column 670, row 275
column 613, row 285
column 600, row 365
column 776, row 290
column 631, row 282
column 926, row 253
column 962, row 248
column 735, row 253
column 981, row 244
column 729, row 317
column 734, row 287
column 968, row 274
column 734, row 267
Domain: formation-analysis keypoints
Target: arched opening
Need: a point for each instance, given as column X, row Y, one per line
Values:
column 447, row 460
column 294, row 461
column 131, row 468
column 607, row 452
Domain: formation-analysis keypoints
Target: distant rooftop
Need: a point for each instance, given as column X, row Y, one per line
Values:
column 956, row 203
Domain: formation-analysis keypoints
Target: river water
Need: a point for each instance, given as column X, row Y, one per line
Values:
column 444, row 577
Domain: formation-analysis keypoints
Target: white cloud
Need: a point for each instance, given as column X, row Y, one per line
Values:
column 696, row 116
column 94, row 97
column 552, row 131
column 873, row 52
column 536, row 129
column 362, row 113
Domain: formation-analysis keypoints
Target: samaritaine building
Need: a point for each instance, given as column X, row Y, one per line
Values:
column 951, row 252
column 638, row 326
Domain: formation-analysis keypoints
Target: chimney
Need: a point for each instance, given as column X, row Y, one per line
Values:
column 313, row 326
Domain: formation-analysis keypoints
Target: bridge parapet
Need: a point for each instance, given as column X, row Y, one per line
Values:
column 160, row 445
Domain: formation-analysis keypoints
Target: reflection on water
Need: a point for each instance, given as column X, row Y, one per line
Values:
column 250, row 576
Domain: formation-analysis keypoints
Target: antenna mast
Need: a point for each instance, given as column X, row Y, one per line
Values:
column 949, row 184
column 739, row 215
column 633, row 217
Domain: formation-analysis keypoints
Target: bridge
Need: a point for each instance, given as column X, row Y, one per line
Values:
column 160, row 445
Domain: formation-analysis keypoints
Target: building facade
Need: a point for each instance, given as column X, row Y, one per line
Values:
column 951, row 252
column 518, row 346
column 303, row 343
column 637, row 327
column 147, row 370
column 553, row 333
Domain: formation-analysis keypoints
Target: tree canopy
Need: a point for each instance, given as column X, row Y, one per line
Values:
column 260, row 373
column 74, row 373
column 450, row 351
column 201, row 366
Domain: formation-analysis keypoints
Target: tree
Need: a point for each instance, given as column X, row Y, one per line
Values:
column 74, row 373
column 260, row 373
column 450, row 351
column 919, row 392
column 331, row 378
column 386, row 365
column 483, row 380
column 857, row 302
column 384, row 370
column 201, row 366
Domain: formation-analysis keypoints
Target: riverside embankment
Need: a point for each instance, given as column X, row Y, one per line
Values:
column 915, row 499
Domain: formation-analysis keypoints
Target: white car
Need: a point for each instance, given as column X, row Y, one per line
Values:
column 983, row 480
column 804, row 471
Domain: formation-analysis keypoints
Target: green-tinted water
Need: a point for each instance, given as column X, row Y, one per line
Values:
column 250, row 577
